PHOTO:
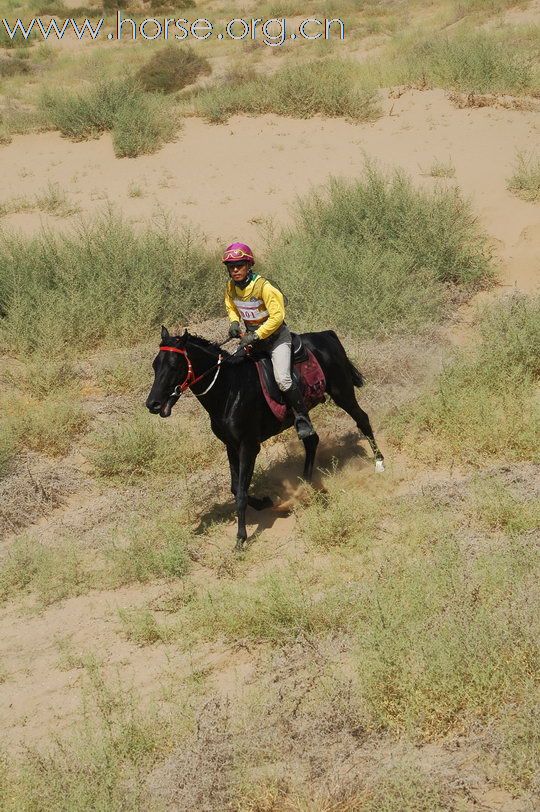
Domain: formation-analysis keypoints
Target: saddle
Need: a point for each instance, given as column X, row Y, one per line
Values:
column 305, row 370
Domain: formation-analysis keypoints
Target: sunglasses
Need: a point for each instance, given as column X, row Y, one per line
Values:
column 234, row 266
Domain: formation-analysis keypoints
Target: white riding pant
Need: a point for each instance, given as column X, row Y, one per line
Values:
column 279, row 348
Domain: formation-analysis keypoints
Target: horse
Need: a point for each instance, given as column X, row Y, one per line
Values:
column 228, row 387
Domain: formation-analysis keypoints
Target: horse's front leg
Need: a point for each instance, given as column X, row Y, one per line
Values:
column 247, row 456
column 234, row 465
column 310, row 445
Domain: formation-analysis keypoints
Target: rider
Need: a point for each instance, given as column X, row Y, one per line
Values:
column 260, row 305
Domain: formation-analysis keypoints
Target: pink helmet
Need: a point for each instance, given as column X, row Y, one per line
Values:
column 238, row 252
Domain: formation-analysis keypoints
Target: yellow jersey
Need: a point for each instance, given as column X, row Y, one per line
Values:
column 259, row 305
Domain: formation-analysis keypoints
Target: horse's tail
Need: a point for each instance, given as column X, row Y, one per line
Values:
column 356, row 375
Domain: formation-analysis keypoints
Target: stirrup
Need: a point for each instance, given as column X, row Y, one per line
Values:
column 304, row 427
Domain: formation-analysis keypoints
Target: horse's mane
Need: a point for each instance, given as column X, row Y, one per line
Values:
column 204, row 342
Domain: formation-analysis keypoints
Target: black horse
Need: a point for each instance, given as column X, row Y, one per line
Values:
column 228, row 388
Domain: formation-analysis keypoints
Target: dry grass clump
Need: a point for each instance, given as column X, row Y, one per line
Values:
column 49, row 425
column 140, row 123
column 400, row 252
column 157, row 548
column 338, row 517
column 276, row 608
column 52, row 200
column 18, row 40
column 483, row 405
column 8, row 449
column 525, row 181
column 172, row 68
column 31, row 489
column 141, row 627
column 495, row 506
column 448, row 638
column 517, row 746
column 441, row 169
column 43, row 376
column 14, row 67
column 50, row 573
column 62, row 284
column 326, row 87
column 102, row 766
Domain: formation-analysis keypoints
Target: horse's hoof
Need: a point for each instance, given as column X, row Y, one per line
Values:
column 239, row 546
column 260, row 504
column 379, row 466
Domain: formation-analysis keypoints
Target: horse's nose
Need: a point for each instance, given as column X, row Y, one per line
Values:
column 153, row 406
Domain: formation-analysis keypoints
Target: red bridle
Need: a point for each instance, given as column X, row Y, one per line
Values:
column 191, row 378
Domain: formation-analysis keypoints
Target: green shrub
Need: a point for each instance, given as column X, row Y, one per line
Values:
column 139, row 123
column 18, row 41
column 448, row 638
column 406, row 787
column 51, row 425
column 471, row 61
column 89, row 113
column 525, row 181
column 143, row 126
column 172, row 68
column 155, row 549
column 326, row 87
column 276, row 608
column 127, row 450
column 124, row 375
column 494, row 506
column 485, row 405
column 43, row 376
column 60, row 295
column 48, row 425
column 395, row 250
column 141, row 445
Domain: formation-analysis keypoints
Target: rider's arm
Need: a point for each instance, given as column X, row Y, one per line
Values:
column 232, row 310
column 273, row 301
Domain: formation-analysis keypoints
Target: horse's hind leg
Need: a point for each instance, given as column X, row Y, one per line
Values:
column 347, row 401
column 310, row 444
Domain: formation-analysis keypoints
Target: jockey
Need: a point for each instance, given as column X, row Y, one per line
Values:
column 260, row 305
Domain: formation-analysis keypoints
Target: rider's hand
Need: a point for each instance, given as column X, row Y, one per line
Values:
column 247, row 340
column 234, row 329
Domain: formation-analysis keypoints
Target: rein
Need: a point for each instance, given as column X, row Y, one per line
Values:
column 191, row 378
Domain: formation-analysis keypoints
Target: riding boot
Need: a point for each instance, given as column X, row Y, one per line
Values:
column 303, row 425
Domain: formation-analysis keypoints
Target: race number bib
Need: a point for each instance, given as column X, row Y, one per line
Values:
column 250, row 310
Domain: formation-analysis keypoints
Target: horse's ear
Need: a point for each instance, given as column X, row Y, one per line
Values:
column 164, row 333
column 185, row 332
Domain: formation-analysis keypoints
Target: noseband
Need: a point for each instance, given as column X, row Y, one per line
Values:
column 191, row 378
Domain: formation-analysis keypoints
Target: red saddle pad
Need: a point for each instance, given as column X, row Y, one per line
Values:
column 312, row 384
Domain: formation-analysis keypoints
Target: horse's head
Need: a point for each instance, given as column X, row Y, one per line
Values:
column 171, row 370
